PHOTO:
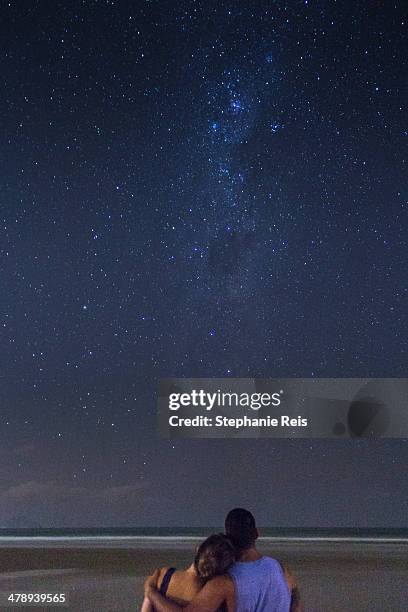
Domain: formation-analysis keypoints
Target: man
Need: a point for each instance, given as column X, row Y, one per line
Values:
column 255, row 583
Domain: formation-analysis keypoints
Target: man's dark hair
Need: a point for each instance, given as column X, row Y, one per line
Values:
column 241, row 528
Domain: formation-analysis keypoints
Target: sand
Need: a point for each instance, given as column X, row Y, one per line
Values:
column 334, row 577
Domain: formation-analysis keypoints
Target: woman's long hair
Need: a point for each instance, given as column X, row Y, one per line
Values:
column 214, row 557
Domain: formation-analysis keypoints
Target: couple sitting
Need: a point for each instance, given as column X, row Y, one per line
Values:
column 228, row 574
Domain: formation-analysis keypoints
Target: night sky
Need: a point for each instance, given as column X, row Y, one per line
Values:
column 197, row 189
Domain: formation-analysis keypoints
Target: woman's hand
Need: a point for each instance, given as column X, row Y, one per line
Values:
column 151, row 582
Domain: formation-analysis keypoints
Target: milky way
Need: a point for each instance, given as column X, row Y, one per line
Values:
column 197, row 189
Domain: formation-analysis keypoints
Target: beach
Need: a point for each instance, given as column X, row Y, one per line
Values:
column 107, row 574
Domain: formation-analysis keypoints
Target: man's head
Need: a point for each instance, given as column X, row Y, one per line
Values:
column 240, row 526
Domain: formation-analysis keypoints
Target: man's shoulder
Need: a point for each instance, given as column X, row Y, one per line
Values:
column 271, row 559
column 274, row 564
column 259, row 566
column 262, row 560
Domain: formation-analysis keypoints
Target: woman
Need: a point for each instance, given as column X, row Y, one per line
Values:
column 214, row 557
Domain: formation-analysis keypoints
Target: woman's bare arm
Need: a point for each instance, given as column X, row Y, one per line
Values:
column 208, row 599
column 146, row 606
column 154, row 580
